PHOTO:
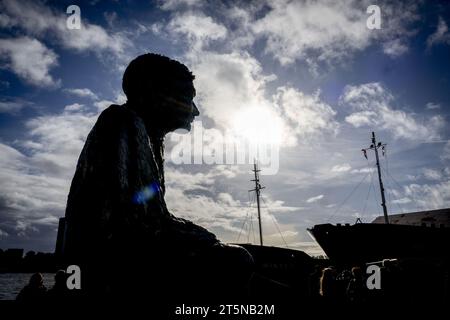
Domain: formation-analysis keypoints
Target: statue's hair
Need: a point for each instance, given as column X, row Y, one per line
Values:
column 153, row 71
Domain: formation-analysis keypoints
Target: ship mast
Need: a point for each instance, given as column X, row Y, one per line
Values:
column 257, row 189
column 374, row 146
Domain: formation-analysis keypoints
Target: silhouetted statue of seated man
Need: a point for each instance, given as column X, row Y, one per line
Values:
column 118, row 228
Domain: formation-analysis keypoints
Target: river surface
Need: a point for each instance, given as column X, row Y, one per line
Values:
column 12, row 283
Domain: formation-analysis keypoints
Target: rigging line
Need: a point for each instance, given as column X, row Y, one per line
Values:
column 242, row 227
column 250, row 226
column 400, row 187
column 375, row 197
column 398, row 205
column 275, row 223
column 253, row 231
column 348, row 197
column 368, row 194
column 389, row 193
column 246, row 216
column 385, row 154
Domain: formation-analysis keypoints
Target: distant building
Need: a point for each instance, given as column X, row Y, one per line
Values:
column 429, row 218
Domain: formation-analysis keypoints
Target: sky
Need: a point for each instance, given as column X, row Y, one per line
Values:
column 312, row 79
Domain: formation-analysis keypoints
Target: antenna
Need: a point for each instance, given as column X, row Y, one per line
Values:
column 374, row 146
column 257, row 189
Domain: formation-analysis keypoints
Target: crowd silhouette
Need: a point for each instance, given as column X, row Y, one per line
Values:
column 36, row 292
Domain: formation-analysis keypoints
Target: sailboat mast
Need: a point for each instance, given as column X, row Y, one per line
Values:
column 383, row 199
column 258, row 191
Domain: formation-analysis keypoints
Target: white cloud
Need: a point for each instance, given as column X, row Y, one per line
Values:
column 363, row 170
column 84, row 93
column 432, row 174
column 13, row 106
column 30, row 60
column 176, row 4
column 327, row 31
column 429, row 196
column 239, row 77
column 35, row 184
column 290, row 113
column 73, row 107
column 295, row 29
column 307, row 115
column 372, row 106
column 446, row 151
column 395, row 48
column 103, row 104
column 362, row 118
column 432, row 106
column 38, row 20
column 57, row 141
column 341, row 168
column 315, row 199
column 199, row 29
column 402, row 201
column 441, row 35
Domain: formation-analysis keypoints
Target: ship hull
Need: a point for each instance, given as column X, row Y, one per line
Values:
column 365, row 242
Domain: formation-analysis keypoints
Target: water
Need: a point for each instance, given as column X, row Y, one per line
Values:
column 12, row 283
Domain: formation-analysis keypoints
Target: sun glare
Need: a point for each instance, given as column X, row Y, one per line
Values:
column 258, row 126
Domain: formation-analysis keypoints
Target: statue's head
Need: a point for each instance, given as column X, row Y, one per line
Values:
column 161, row 91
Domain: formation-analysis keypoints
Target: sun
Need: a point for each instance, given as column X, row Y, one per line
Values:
column 258, row 125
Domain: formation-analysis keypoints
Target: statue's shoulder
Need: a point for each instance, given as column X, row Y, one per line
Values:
column 117, row 116
column 115, row 111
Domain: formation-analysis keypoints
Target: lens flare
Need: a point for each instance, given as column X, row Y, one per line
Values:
column 147, row 193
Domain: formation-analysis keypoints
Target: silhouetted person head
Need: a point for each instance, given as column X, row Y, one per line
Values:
column 161, row 91
column 60, row 278
column 36, row 280
column 34, row 291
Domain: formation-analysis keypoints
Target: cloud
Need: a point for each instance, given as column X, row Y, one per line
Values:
column 395, row 48
column 363, row 170
column 307, row 115
column 402, row 201
column 38, row 20
column 30, row 60
column 176, row 4
column 429, row 196
column 296, row 29
column 73, row 107
column 35, row 184
column 372, row 106
column 13, row 106
column 326, row 31
column 243, row 95
column 315, row 199
column 202, row 198
column 84, row 93
column 341, row 168
column 432, row 174
column 432, row 106
column 199, row 29
column 441, row 35
column 446, row 152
